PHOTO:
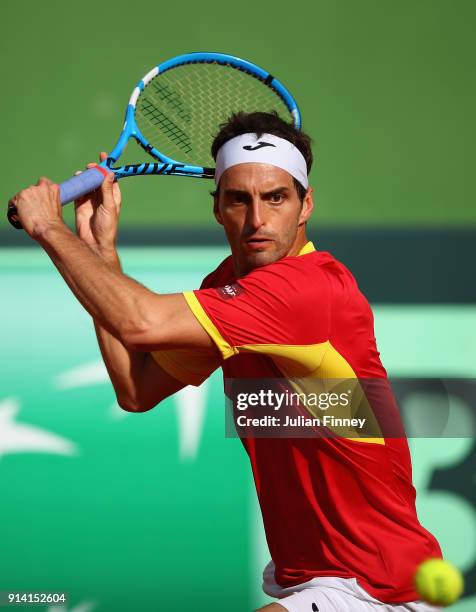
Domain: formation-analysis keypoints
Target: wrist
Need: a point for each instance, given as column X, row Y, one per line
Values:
column 109, row 255
column 44, row 233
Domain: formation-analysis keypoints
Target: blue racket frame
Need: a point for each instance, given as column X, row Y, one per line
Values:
column 91, row 179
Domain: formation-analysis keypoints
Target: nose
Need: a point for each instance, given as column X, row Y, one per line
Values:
column 255, row 214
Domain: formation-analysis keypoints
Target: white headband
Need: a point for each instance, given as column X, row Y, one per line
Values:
column 267, row 149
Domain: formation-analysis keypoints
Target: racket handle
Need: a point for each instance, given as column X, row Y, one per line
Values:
column 12, row 216
column 82, row 184
column 72, row 189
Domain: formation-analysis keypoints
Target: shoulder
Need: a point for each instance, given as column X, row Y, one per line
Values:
column 302, row 273
column 316, row 279
column 340, row 278
column 295, row 277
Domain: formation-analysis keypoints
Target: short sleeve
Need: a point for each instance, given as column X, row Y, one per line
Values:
column 285, row 303
column 192, row 366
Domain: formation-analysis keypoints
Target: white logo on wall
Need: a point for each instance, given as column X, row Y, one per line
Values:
column 190, row 403
column 18, row 437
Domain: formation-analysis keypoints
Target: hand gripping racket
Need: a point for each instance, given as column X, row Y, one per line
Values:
column 175, row 111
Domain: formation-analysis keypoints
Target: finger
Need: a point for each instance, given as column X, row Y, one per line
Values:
column 117, row 195
column 44, row 181
column 102, row 156
column 54, row 190
column 91, row 197
column 106, row 191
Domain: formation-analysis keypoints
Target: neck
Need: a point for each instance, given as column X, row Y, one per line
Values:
column 299, row 242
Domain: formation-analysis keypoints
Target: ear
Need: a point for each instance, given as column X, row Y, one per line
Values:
column 307, row 206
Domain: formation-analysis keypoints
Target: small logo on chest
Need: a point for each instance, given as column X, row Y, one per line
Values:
column 230, row 291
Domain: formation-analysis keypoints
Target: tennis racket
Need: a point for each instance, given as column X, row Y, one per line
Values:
column 175, row 111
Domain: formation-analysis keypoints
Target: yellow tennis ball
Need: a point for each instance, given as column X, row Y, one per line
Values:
column 438, row 582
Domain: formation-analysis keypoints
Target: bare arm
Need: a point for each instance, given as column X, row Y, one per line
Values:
column 138, row 380
column 139, row 318
column 90, row 265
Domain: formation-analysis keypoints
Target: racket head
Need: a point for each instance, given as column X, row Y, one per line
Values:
column 177, row 108
column 176, row 120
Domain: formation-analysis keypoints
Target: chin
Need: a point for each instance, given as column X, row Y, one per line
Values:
column 257, row 260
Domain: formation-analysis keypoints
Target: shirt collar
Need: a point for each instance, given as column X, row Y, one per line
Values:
column 307, row 248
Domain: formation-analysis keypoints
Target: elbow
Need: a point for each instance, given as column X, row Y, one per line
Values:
column 130, row 405
column 139, row 337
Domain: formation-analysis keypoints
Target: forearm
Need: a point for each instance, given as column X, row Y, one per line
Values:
column 124, row 366
column 110, row 297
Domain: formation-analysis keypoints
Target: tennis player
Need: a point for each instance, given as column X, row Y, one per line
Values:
column 339, row 513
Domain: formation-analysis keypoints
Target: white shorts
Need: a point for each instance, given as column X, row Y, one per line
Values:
column 329, row 594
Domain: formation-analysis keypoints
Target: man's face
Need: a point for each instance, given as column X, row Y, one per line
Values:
column 261, row 213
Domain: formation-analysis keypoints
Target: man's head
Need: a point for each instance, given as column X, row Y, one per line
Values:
column 263, row 204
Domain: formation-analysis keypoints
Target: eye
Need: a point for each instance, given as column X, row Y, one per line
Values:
column 235, row 199
column 236, row 202
column 276, row 198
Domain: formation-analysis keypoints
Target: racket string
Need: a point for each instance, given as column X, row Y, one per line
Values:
column 157, row 118
column 181, row 110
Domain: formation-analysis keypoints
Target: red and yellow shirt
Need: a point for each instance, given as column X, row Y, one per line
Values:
column 331, row 506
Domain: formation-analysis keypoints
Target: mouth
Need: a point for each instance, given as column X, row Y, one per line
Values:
column 256, row 243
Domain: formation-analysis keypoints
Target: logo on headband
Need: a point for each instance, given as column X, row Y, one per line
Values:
column 260, row 145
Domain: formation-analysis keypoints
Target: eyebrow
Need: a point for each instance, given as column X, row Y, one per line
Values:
column 276, row 190
column 236, row 192
column 243, row 192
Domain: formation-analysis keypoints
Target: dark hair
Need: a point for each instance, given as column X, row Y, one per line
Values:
column 265, row 123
